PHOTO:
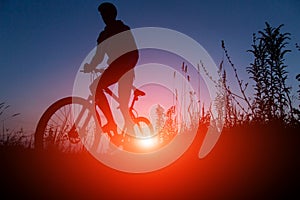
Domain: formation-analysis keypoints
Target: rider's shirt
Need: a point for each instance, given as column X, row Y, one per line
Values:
column 112, row 29
column 118, row 44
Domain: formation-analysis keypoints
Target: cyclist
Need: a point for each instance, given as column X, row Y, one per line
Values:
column 120, row 66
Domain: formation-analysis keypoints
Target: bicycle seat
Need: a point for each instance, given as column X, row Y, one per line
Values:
column 138, row 92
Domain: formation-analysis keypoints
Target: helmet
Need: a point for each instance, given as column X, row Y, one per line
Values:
column 108, row 9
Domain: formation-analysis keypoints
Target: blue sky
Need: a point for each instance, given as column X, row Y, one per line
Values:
column 44, row 42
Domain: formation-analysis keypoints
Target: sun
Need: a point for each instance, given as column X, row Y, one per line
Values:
column 148, row 142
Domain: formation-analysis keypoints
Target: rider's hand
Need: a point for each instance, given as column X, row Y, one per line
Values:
column 87, row 68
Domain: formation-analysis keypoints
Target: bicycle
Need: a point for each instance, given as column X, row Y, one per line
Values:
column 73, row 124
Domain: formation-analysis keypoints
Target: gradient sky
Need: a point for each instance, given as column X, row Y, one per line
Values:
column 44, row 42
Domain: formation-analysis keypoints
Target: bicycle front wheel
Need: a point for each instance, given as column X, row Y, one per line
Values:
column 69, row 125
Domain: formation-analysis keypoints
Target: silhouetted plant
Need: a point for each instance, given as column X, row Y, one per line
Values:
column 296, row 111
column 298, row 75
column 268, row 70
column 240, row 108
column 204, row 119
column 297, row 46
column 159, row 111
column 230, row 105
column 242, row 86
column 193, row 110
column 11, row 137
column 169, row 129
column 219, row 101
column 298, row 78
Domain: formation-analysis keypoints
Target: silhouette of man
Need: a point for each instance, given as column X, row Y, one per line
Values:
column 122, row 57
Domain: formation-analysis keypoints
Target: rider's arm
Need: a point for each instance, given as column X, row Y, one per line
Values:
column 99, row 55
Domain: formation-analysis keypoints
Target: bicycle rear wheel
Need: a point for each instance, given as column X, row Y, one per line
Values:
column 143, row 127
column 69, row 125
column 143, row 140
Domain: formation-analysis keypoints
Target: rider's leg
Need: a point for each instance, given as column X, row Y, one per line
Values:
column 103, row 104
column 105, row 81
column 111, row 75
column 124, row 92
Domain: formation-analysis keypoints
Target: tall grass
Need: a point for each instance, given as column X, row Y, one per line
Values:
column 12, row 137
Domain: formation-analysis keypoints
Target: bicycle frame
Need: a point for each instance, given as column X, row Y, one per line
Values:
column 72, row 119
column 136, row 94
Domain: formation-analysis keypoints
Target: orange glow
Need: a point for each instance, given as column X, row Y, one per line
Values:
column 244, row 163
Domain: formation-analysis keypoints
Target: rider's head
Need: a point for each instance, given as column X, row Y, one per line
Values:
column 108, row 12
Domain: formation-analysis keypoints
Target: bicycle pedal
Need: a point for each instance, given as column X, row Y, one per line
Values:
column 110, row 129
